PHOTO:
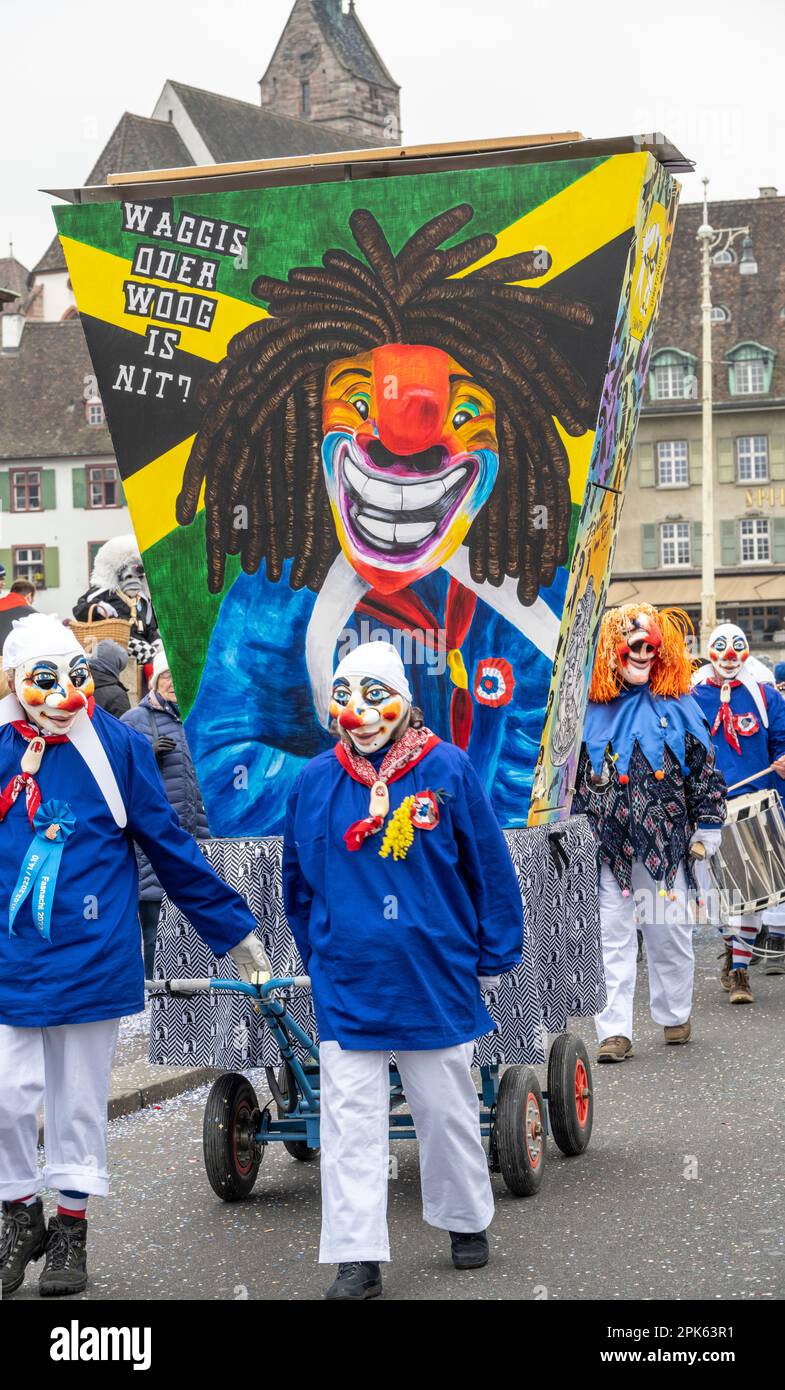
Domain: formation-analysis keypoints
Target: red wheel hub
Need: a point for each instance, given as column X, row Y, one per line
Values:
column 581, row 1093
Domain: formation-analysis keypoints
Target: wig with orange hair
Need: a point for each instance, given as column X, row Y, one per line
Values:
column 672, row 667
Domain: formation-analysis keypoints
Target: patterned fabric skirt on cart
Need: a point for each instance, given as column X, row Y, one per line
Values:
column 560, row 975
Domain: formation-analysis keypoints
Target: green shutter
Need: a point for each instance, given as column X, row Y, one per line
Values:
column 5, row 491
column 650, row 559
column 729, row 547
column 7, row 559
column 697, row 544
column 646, row 476
column 79, row 484
column 778, row 540
column 695, row 456
column 52, row 566
column 777, row 457
column 48, row 489
column 726, row 461
column 120, row 492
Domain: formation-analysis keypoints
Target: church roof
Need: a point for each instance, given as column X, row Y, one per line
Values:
column 234, row 130
column 350, row 43
column 42, row 408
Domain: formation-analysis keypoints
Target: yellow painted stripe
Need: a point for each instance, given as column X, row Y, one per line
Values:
column 97, row 277
column 152, row 492
column 572, row 224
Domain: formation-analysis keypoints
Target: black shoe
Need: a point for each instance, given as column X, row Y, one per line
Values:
column 65, row 1270
column 775, row 964
column 357, row 1280
column 22, row 1240
column 469, row 1251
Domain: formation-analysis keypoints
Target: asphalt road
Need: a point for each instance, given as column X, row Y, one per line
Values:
column 681, row 1193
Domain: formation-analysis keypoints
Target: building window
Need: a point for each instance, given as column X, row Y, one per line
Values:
column 719, row 314
column 755, row 541
column 727, row 257
column 29, row 564
column 672, row 376
column 752, row 458
column 673, row 468
column 102, row 487
column 669, row 381
column 675, row 544
column 750, row 367
column 305, row 98
column 26, row 491
column 94, row 412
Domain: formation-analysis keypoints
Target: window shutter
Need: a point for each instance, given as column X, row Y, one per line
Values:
column 79, row 484
column 697, row 544
column 649, row 557
column 646, row 476
column 5, row 491
column 121, row 498
column 778, row 540
column 7, row 559
column 48, row 489
column 52, row 566
column 726, row 462
column 729, row 549
column 695, row 456
column 777, row 457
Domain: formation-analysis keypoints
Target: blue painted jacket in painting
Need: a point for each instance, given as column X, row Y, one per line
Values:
column 394, row 947
column 250, row 750
column 92, row 967
column 759, row 746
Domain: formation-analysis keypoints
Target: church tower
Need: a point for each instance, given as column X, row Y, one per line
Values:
column 326, row 70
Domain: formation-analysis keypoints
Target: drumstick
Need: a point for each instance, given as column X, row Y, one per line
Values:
column 753, row 778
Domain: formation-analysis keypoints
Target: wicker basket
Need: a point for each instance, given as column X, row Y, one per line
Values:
column 97, row 630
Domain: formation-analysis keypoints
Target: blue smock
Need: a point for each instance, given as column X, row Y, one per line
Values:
column 92, row 968
column 394, row 947
column 759, row 746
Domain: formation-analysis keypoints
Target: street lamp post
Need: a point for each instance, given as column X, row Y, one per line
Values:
column 712, row 239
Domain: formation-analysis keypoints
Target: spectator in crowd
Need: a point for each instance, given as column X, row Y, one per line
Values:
column 106, row 662
column 779, row 676
column 16, row 602
column 158, row 718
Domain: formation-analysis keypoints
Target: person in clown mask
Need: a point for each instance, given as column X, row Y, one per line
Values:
column 648, row 783
column 402, row 898
column 76, row 788
column 747, row 720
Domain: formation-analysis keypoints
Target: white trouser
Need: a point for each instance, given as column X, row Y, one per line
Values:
column 666, row 924
column 355, row 1109
column 69, row 1070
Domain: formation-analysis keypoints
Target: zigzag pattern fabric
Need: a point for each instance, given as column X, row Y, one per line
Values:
column 560, row 975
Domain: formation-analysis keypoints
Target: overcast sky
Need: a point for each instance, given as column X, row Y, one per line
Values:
column 706, row 72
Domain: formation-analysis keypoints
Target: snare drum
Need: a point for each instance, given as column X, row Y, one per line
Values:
column 749, row 866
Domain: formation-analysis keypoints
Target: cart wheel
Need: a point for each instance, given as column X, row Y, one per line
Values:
column 231, row 1153
column 570, row 1094
column 298, row 1148
column 519, row 1131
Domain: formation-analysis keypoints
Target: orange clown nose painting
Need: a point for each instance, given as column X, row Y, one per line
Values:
column 396, row 407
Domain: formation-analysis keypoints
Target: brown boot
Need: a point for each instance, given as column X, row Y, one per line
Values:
column 678, row 1033
column 614, row 1049
column 740, row 992
column 727, row 967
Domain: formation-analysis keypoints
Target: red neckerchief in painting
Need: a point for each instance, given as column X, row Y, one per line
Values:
column 25, row 781
column 402, row 755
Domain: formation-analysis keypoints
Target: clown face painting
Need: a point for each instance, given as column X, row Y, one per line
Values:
column 384, row 428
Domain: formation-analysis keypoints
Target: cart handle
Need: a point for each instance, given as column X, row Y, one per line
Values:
column 207, row 984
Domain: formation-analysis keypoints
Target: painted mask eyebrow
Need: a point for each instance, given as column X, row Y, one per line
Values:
column 349, row 371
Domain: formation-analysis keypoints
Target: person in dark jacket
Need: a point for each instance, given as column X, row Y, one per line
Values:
column 106, row 662
column 157, row 716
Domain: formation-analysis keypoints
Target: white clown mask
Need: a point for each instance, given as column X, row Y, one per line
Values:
column 371, row 700
column 639, row 649
column 52, row 678
column 728, row 651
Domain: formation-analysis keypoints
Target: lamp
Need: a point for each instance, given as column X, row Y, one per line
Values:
column 747, row 262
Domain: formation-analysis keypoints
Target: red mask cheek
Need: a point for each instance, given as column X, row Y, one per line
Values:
column 391, row 713
column 743, row 655
column 655, row 637
column 623, row 653
column 32, row 695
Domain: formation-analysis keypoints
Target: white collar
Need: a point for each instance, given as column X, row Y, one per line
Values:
column 89, row 747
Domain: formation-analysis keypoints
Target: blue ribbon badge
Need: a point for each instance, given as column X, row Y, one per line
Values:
column 53, row 822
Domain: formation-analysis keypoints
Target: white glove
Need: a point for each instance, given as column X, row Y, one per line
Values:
column 488, row 982
column 710, row 839
column 106, row 610
column 252, row 960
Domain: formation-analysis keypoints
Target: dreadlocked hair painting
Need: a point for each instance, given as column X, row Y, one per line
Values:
column 671, row 672
column 259, row 444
